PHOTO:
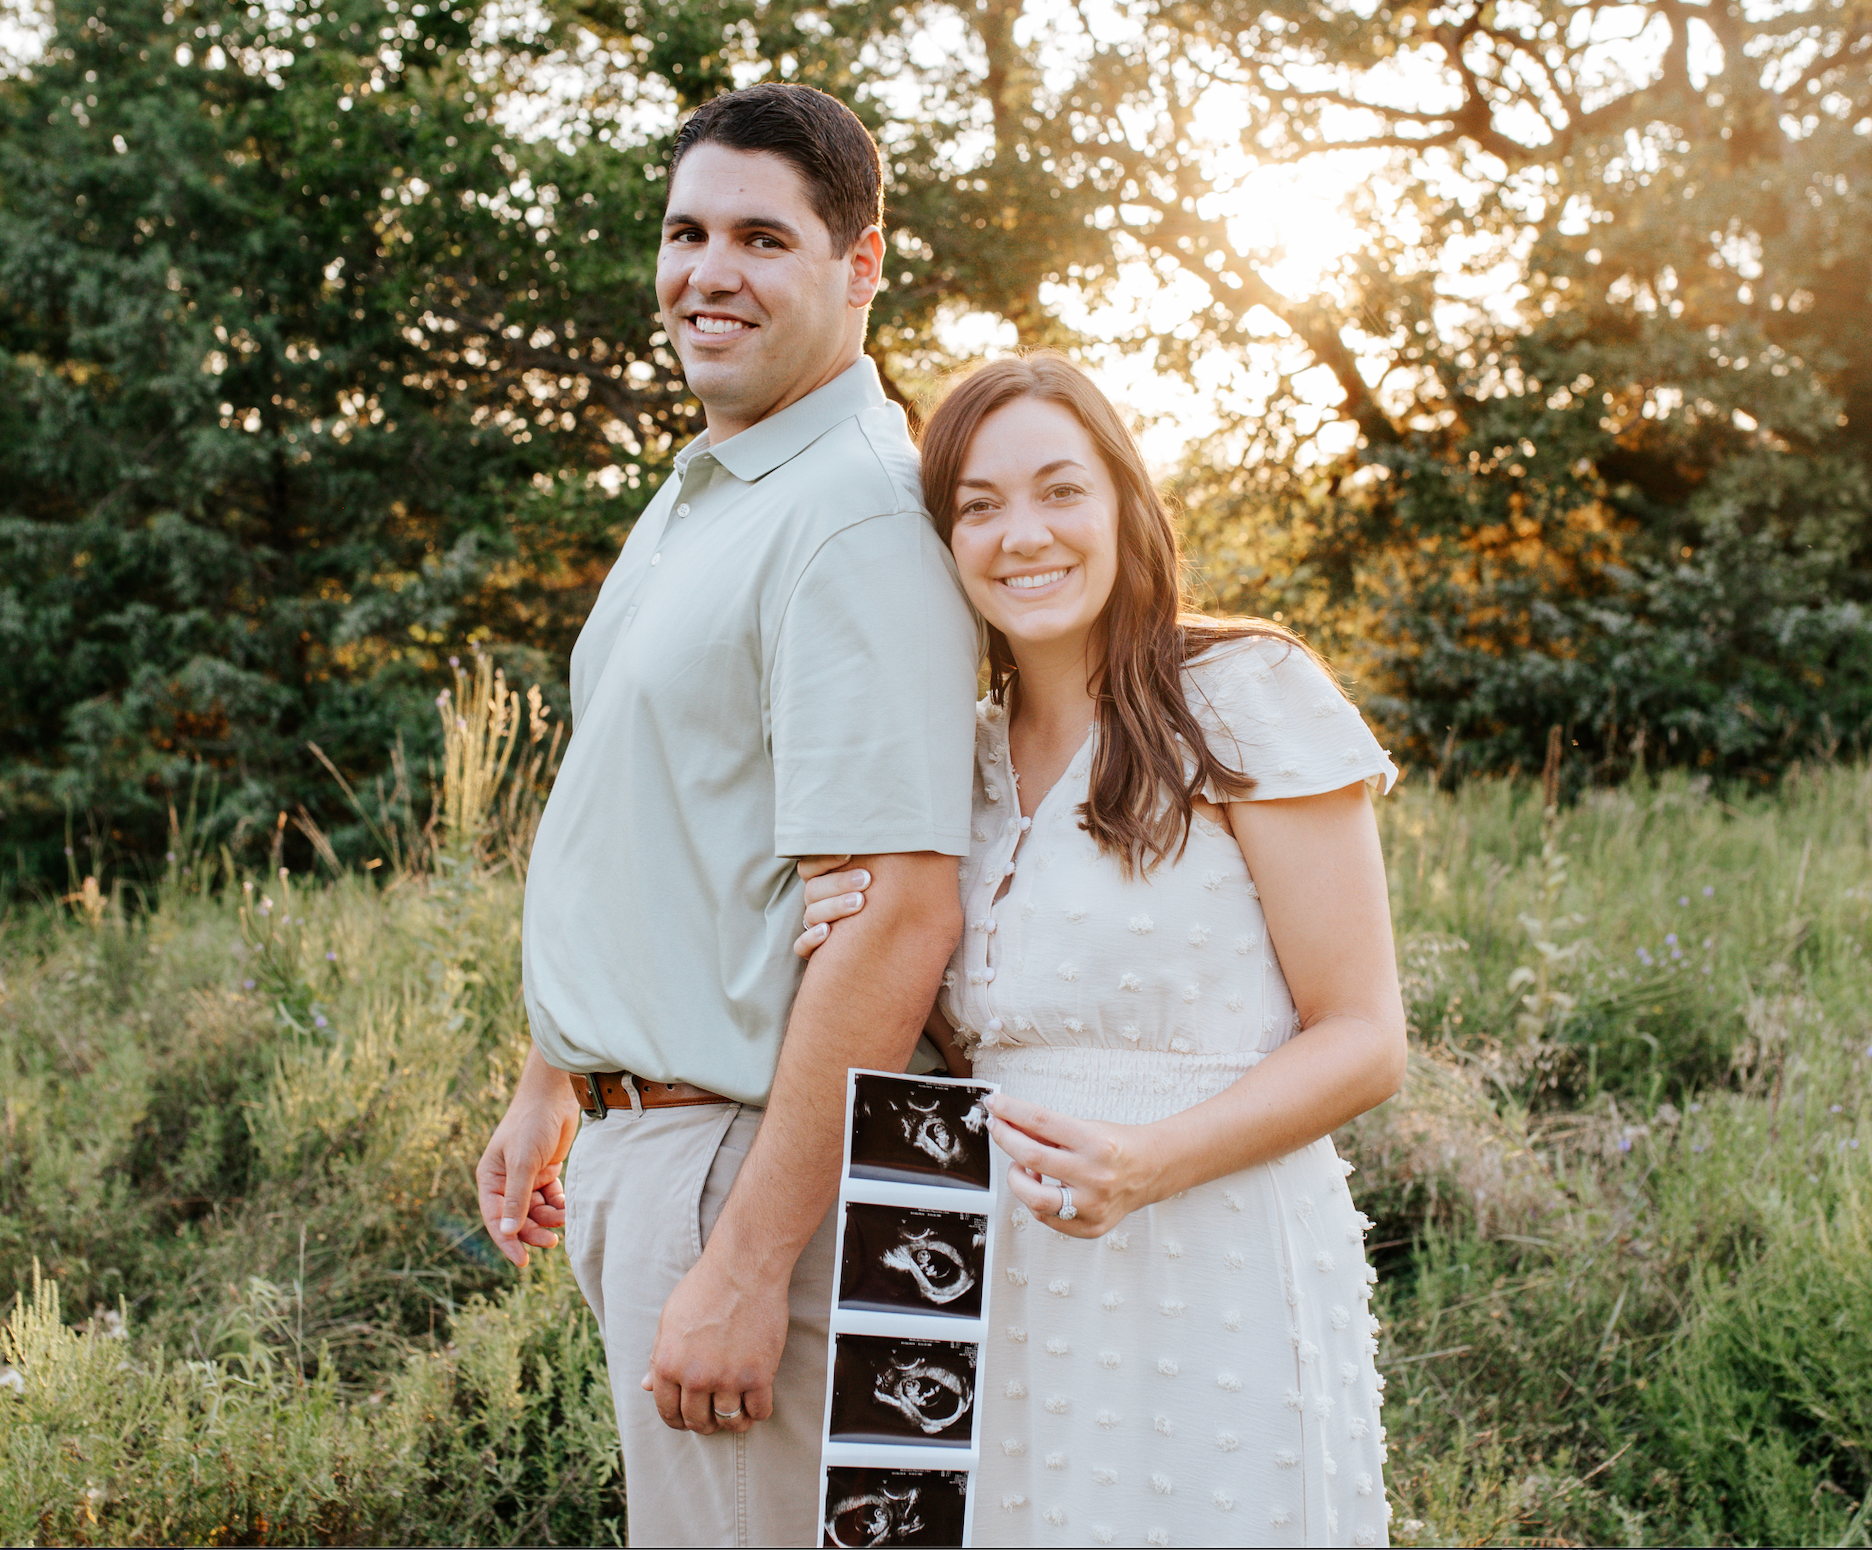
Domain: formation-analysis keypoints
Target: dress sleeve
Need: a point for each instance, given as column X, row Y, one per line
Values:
column 1268, row 710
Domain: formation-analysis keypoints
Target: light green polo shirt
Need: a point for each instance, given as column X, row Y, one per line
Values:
column 780, row 664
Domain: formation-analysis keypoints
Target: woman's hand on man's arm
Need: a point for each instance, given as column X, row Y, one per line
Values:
column 831, row 894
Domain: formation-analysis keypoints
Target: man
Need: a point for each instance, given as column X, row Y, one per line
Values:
column 780, row 664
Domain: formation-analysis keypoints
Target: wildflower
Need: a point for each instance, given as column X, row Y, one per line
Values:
column 1709, row 892
column 1683, row 899
column 1670, row 938
column 247, row 984
column 454, row 661
column 319, row 1021
column 1624, row 1143
column 1696, row 1108
column 1644, row 957
column 331, row 957
column 1834, row 1110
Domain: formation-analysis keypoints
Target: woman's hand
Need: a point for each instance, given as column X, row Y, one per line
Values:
column 1111, row 1169
column 830, row 895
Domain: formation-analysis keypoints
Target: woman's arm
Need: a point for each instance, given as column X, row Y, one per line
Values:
column 1318, row 868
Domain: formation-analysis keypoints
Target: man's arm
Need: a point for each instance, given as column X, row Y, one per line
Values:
column 518, row 1175
column 862, row 1003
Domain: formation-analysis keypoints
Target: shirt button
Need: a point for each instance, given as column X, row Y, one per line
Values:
column 1026, row 824
column 992, row 926
column 988, row 976
column 1008, row 870
column 994, row 1025
column 656, row 558
column 683, row 509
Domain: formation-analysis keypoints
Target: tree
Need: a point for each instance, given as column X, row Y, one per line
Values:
column 329, row 344
column 281, row 424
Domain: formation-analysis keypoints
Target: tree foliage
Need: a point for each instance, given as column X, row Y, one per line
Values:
column 329, row 344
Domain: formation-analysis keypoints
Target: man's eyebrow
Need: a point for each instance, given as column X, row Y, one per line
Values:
column 771, row 223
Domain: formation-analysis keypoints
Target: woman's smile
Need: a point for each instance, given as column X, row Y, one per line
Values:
column 1037, row 582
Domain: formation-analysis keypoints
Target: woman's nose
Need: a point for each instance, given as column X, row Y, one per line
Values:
column 1027, row 534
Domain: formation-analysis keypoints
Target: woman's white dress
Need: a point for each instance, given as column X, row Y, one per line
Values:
column 1203, row 1374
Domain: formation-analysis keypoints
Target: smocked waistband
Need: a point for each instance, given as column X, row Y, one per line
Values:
column 1125, row 1086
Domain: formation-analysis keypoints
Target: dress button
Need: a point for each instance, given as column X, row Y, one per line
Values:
column 988, row 976
column 994, row 1025
column 1026, row 824
column 992, row 926
column 1008, row 870
column 683, row 509
column 656, row 559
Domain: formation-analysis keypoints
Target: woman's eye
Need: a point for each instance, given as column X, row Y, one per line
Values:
column 1064, row 492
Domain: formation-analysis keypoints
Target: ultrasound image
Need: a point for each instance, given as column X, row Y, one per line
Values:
column 895, row 1391
column 912, row 1131
column 898, row 1260
column 894, row 1507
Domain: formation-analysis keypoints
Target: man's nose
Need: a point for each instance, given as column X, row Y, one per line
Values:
column 715, row 272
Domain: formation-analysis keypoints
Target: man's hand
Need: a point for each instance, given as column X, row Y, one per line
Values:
column 518, row 1175
column 717, row 1348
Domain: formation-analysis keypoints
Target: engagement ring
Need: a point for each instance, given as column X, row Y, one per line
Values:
column 725, row 1415
column 1067, row 1210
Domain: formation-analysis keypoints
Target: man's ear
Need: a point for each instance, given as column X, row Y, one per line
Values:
column 867, row 268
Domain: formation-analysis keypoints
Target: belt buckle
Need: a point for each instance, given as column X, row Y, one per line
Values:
column 599, row 1108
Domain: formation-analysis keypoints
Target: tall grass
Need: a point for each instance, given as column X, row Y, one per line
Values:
column 1622, row 1203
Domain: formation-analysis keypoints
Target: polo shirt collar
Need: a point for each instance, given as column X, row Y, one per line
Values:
column 780, row 438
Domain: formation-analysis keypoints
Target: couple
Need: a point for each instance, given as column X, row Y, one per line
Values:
column 1168, row 941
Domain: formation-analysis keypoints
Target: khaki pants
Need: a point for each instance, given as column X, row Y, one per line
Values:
column 643, row 1192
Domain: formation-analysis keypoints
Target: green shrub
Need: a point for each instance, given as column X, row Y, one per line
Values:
column 504, row 1436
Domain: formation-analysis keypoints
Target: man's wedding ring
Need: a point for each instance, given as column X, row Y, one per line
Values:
column 725, row 1415
column 1067, row 1210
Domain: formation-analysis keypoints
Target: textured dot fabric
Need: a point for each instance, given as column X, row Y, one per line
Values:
column 1204, row 1373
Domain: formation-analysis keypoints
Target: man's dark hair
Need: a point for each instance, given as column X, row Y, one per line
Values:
column 817, row 134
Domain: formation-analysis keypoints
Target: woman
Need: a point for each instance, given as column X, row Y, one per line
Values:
column 1178, row 967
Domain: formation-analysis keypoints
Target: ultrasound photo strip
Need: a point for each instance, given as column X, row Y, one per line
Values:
column 916, row 1200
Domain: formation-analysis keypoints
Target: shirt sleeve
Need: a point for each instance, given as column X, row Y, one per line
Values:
column 872, row 697
column 1268, row 710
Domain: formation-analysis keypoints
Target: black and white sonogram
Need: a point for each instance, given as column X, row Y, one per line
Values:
column 914, row 1132
column 894, row 1506
column 898, row 1260
column 895, row 1391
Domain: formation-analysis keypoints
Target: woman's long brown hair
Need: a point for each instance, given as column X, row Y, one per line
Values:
column 1151, row 760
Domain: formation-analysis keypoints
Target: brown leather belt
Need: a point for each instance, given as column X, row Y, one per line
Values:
column 602, row 1091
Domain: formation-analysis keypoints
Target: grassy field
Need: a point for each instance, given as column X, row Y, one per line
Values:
column 1623, row 1201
